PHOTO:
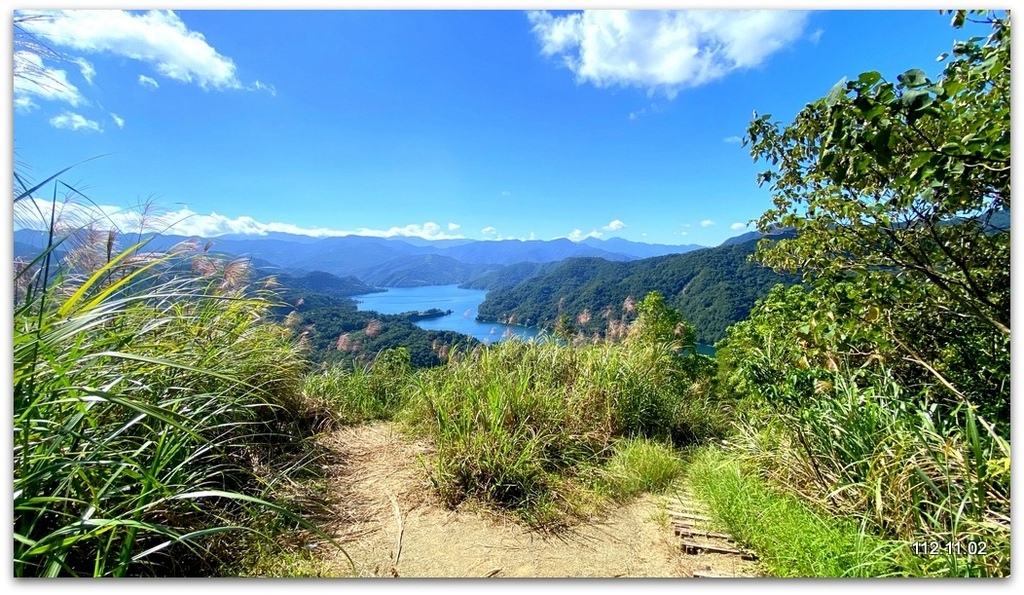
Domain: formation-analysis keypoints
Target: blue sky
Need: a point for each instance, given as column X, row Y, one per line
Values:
column 477, row 124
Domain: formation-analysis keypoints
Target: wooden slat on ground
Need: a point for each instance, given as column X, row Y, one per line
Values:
column 691, row 523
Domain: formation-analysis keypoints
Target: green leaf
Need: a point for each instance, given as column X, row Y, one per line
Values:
column 914, row 77
column 869, row 78
column 837, row 93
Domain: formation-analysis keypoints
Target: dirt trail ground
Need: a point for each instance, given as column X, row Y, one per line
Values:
column 392, row 524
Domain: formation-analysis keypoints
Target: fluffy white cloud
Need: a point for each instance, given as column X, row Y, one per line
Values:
column 614, row 225
column 117, row 120
column 453, row 226
column 816, row 36
column 427, row 231
column 489, row 231
column 156, row 37
column 73, row 121
column 732, row 139
column 737, row 226
column 30, row 213
column 33, row 78
column 707, row 223
column 663, row 50
column 146, row 81
column 682, row 233
column 578, row 236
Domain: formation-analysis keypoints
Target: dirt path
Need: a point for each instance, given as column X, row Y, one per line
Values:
column 392, row 524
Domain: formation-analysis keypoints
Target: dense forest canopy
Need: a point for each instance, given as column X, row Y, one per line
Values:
column 713, row 288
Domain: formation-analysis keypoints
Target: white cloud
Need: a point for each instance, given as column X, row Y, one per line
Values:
column 32, row 77
column 578, row 236
column 489, row 231
column 427, row 231
column 156, row 37
column 533, row 236
column 637, row 114
column 506, row 193
column 737, row 226
column 816, row 36
column 707, row 223
column 146, row 81
column 86, row 68
column 663, row 50
column 24, row 104
column 453, row 226
column 73, row 121
column 261, row 86
column 187, row 222
column 684, row 233
column 615, row 225
column 117, row 120
column 732, row 139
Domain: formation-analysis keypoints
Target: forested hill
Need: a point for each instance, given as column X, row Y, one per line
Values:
column 323, row 283
column 713, row 288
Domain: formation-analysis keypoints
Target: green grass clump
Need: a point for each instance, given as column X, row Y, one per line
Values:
column 639, row 466
column 360, row 393
column 906, row 470
column 156, row 409
column 522, row 424
column 790, row 538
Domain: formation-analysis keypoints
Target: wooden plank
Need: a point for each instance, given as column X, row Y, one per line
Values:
column 706, row 574
column 686, row 515
column 685, row 530
column 692, row 547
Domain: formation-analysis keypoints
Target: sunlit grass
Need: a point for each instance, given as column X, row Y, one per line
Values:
column 896, row 467
column 155, row 409
column 525, row 424
column 790, row 538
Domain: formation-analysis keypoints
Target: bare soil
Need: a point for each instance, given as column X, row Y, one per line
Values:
column 391, row 523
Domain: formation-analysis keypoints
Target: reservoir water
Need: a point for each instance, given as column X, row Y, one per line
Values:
column 462, row 302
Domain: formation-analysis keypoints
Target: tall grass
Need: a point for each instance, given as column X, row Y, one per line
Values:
column 791, row 538
column 154, row 408
column 909, row 471
column 640, row 465
column 360, row 393
column 525, row 424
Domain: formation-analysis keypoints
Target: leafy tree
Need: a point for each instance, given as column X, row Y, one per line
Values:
column 899, row 194
column 657, row 323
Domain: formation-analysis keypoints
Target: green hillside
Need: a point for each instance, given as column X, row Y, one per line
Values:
column 713, row 288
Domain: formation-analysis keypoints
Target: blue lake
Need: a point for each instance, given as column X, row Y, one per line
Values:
column 462, row 302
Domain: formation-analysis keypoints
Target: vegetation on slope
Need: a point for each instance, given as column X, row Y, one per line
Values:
column 155, row 412
column 712, row 288
column 881, row 392
column 545, row 429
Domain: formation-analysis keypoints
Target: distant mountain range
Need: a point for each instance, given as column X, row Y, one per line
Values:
column 394, row 262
